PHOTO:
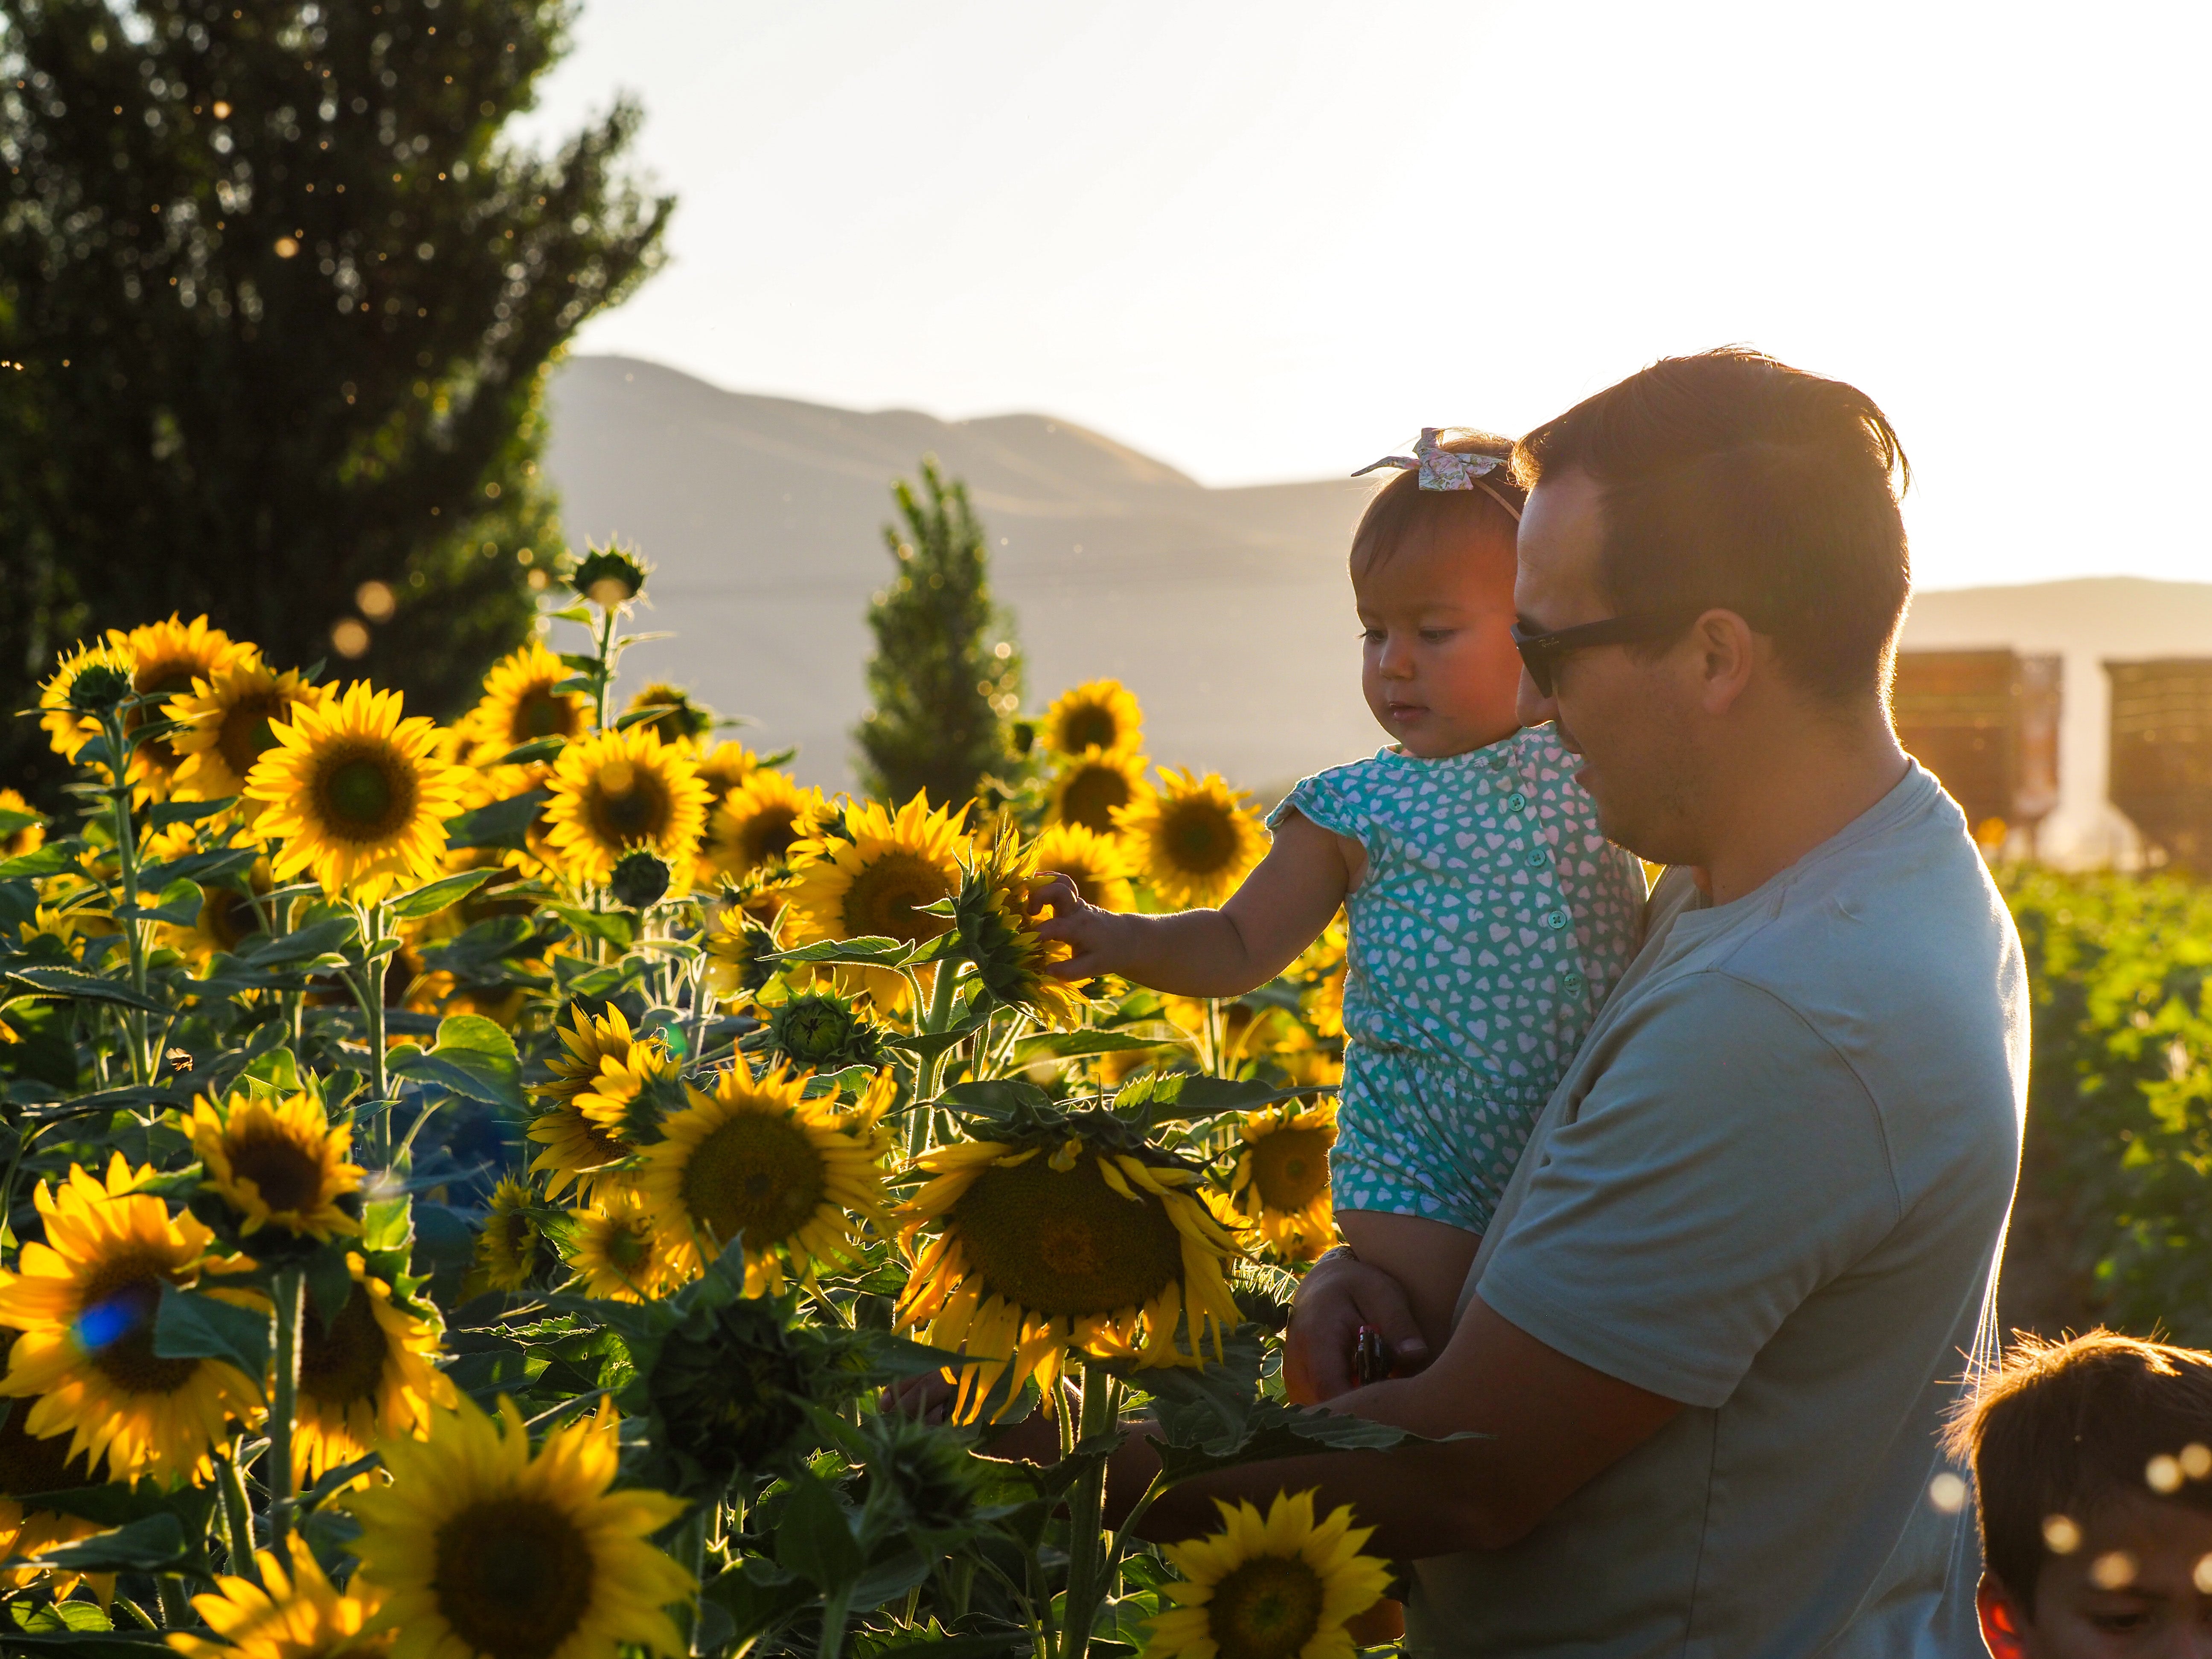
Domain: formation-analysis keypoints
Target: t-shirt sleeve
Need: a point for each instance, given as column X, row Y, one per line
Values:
column 1726, row 1164
column 1330, row 800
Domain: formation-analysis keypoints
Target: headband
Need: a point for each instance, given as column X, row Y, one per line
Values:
column 1448, row 469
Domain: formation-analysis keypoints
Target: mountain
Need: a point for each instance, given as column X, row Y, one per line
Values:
column 1228, row 611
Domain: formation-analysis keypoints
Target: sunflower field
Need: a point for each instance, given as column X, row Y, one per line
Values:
column 550, row 1187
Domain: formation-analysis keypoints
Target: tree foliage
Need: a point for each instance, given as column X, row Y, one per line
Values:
column 282, row 302
column 946, row 677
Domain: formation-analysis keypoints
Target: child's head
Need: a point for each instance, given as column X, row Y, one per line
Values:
column 2091, row 1461
column 1432, row 571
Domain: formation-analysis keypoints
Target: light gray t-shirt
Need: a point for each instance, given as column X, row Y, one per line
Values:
column 1772, row 1186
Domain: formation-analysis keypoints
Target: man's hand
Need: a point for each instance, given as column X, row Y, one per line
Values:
column 1339, row 1294
column 1092, row 934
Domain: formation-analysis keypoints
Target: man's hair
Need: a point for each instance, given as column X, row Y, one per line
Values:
column 1730, row 480
column 1402, row 509
column 2062, row 1428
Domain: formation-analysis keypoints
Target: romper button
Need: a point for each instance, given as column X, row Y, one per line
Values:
column 1574, row 981
column 1516, row 802
column 1555, row 919
column 1535, row 858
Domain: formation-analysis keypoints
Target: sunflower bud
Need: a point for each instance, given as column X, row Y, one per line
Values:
column 98, row 688
column 640, row 880
column 823, row 1031
column 925, row 1474
column 730, row 1393
column 609, row 577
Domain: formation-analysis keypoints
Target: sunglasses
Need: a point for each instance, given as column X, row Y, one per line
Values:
column 1541, row 654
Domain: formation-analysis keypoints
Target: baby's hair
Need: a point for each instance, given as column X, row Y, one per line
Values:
column 1402, row 509
column 2062, row 1429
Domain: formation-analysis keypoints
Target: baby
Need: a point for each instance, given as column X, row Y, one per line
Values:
column 1489, row 917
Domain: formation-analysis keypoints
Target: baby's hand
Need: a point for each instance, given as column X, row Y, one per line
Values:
column 1089, row 932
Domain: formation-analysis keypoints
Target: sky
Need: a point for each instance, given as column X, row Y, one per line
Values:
column 1264, row 242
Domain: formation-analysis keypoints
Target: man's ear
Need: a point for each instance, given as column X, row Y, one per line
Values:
column 1724, row 655
column 2004, row 1621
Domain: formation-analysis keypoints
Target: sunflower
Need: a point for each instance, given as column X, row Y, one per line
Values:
column 1280, row 1188
column 166, row 659
column 580, row 1143
column 13, row 843
column 28, row 1465
column 616, row 1250
column 228, row 718
column 85, row 1300
column 276, row 1163
column 630, row 1096
column 755, row 1161
column 872, row 879
column 301, row 1615
column 1091, row 787
column 1195, row 839
column 66, row 728
column 507, row 1249
column 1098, row 715
column 226, row 920
column 615, row 791
column 1099, row 866
column 758, row 822
column 519, row 704
column 1278, row 1588
column 586, row 1041
column 356, row 794
column 1011, row 963
column 480, row 1548
column 679, row 719
column 368, row 1375
column 723, row 766
column 1044, row 1247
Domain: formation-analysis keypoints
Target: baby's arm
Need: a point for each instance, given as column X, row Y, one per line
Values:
column 1280, row 910
column 1429, row 1258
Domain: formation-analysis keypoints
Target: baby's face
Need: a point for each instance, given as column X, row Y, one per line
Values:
column 1438, row 669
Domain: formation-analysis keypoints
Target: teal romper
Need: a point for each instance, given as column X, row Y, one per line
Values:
column 1492, row 923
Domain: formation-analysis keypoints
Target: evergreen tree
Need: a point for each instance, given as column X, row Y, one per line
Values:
column 282, row 304
column 945, row 679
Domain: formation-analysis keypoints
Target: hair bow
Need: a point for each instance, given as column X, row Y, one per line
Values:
column 1440, row 468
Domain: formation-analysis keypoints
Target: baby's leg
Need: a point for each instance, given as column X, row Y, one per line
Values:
column 1431, row 1259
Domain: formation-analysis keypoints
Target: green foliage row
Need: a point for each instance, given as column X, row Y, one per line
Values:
column 2120, row 1132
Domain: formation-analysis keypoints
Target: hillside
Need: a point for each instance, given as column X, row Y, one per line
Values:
column 1227, row 611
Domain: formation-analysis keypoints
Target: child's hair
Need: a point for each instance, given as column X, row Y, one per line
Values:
column 2062, row 1428
column 1402, row 508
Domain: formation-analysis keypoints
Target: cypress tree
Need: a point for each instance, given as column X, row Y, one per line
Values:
column 945, row 679
column 283, row 303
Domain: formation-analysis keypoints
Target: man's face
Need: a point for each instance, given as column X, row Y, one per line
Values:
column 1629, row 719
column 2139, row 1585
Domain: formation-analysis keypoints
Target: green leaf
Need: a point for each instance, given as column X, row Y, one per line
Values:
column 869, row 950
column 11, row 820
column 639, row 716
column 76, row 982
column 277, row 1071
column 167, row 814
column 814, row 1539
column 178, row 905
column 536, row 750
column 613, row 927
column 48, row 860
column 330, row 1283
column 154, row 1544
column 64, row 1615
column 191, row 1326
column 1073, row 1045
column 441, row 894
column 473, row 1058
column 1188, row 1095
column 993, row 1096
column 504, row 824
column 202, row 867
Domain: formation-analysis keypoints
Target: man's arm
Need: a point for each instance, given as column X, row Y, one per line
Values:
column 1551, row 1424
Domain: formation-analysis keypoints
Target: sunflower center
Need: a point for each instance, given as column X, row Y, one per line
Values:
column 1091, row 795
column 539, row 714
column 1063, row 1242
column 1268, row 1608
column 1088, row 728
column 120, row 1298
column 29, row 1464
column 629, row 804
column 514, row 1578
column 768, row 834
column 227, row 916
column 758, row 1176
column 288, row 1176
column 628, row 1244
column 886, row 896
column 244, row 731
column 160, row 680
column 364, row 795
column 1291, row 1167
column 343, row 1362
column 1196, row 838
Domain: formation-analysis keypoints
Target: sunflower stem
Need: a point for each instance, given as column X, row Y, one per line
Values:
column 835, row 1607
column 289, row 1287
column 370, row 991
column 689, row 1548
column 237, row 1516
column 176, row 1610
column 1087, row 1583
column 126, row 860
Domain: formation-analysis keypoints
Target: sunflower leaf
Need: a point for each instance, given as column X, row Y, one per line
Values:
column 814, row 1538
column 440, row 894
column 202, row 867
column 48, row 860
column 167, row 814
column 868, row 951
column 538, row 749
column 90, row 987
column 473, row 1058
column 1000, row 1097
column 1073, row 1045
column 191, row 1326
column 330, row 1283
column 178, row 905
column 11, row 820
column 652, row 711
column 503, row 823
column 153, row 1544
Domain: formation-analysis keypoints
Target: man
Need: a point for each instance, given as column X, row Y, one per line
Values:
column 1751, row 1249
